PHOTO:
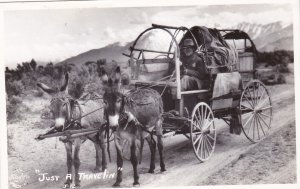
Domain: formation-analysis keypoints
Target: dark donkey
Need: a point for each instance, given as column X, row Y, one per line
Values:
column 65, row 109
column 133, row 117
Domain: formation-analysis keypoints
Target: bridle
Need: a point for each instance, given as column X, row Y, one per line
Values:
column 70, row 104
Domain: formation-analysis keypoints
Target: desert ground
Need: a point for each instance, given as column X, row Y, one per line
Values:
column 235, row 159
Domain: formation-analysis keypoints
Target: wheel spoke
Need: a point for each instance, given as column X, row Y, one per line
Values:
column 262, row 95
column 253, row 92
column 265, row 115
column 210, row 137
column 206, row 146
column 199, row 117
column 257, row 127
column 197, row 139
column 209, row 143
column 246, row 114
column 250, row 125
column 245, row 108
column 253, row 105
column 266, row 108
column 198, row 146
column 249, row 119
column 197, row 126
column 258, row 119
column 198, row 133
column 261, row 104
column 254, row 128
column 263, row 121
column 250, row 103
column 197, row 120
column 209, row 123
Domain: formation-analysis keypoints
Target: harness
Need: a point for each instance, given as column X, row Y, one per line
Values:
column 124, row 118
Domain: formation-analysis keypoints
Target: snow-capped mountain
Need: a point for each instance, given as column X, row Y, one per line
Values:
column 269, row 37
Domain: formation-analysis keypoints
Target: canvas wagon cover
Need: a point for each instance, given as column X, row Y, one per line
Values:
column 222, row 54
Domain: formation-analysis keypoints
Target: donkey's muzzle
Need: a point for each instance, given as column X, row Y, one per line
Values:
column 59, row 123
column 113, row 120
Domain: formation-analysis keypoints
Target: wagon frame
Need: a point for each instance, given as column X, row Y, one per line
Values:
column 192, row 113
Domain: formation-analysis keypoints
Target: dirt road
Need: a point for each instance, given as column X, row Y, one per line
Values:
column 235, row 160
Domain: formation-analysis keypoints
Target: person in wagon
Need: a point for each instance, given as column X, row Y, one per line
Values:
column 195, row 76
column 193, row 70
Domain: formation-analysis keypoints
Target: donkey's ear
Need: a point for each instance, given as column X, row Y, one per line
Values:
column 46, row 88
column 64, row 87
column 118, row 70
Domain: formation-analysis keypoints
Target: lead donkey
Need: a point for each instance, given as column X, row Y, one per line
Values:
column 65, row 109
column 133, row 117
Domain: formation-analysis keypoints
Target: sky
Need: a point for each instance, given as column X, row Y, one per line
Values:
column 55, row 35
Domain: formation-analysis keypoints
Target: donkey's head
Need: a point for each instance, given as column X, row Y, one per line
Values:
column 59, row 105
column 112, row 97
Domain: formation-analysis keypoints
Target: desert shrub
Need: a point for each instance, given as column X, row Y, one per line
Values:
column 76, row 88
column 281, row 79
column 280, row 57
column 12, row 105
column 283, row 68
column 10, row 147
column 14, row 87
column 38, row 93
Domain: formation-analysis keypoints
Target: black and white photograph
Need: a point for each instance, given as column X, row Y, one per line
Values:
column 104, row 94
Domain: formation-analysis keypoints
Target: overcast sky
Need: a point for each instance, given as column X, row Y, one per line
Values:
column 54, row 35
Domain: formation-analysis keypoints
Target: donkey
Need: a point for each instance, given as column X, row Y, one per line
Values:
column 64, row 109
column 132, row 117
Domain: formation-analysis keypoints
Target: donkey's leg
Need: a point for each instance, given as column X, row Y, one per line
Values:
column 98, row 162
column 119, row 161
column 102, row 145
column 134, row 162
column 77, row 161
column 68, row 146
column 152, row 146
column 160, row 144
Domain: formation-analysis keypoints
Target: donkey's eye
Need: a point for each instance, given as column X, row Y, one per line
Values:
column 119, row 100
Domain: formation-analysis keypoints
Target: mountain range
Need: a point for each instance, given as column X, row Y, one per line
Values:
column 269, row 37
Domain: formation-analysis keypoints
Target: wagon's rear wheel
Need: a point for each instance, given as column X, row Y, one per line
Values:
column 256, row 111
column 202, row 131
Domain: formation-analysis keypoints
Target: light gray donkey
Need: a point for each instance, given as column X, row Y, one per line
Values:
column 64, row 109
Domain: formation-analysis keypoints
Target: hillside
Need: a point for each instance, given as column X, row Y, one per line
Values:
column 112, row 52
column 269, row 37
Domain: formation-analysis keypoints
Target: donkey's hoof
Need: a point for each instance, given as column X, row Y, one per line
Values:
column 66, row 185
column 77, row 185
column 117, row 184
column 97, row 170
column 151, row 171
column 136, row 184
column 163, row 169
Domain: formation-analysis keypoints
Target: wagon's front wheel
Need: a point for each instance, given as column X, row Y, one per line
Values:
column 256, row 111
column 203, row 131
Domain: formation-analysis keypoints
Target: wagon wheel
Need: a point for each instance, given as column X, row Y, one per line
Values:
column 203, row 132
column 126, row 150
column 255, row 111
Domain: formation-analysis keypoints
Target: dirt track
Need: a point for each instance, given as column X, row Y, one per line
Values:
column 235, row 160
